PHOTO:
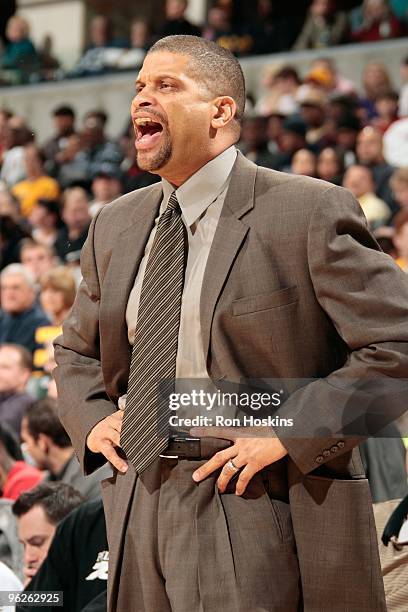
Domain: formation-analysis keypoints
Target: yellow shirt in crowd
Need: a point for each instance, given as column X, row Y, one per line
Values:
column 29, row 192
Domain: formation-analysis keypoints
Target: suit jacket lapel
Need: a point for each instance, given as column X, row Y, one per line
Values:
column 229, row 236
column 118, row 282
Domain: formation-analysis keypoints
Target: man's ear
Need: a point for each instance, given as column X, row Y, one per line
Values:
column 225, row 109
column 43, row 442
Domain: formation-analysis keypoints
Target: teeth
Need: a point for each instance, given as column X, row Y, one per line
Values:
column 143, row 121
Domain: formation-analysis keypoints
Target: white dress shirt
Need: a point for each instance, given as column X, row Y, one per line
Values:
column 200, row 198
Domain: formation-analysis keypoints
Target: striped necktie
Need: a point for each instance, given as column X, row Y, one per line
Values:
column 146, row 420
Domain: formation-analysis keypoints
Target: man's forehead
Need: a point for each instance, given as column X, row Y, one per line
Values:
column 14, row 279
column 35, row 520
column 164, row 63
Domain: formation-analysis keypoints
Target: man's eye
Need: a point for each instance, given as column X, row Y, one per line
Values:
column 36, row 542
column 165, row 85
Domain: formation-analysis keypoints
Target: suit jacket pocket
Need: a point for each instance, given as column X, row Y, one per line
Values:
column 265, row 301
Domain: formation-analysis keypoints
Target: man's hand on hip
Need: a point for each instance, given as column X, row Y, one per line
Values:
column 249, row 455
column 105, row 437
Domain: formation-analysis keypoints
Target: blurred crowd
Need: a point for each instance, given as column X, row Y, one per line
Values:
column 318, row 124
column 245, row 28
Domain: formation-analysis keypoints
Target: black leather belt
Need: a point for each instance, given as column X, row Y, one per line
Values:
column 183, row 448
column 180, row 447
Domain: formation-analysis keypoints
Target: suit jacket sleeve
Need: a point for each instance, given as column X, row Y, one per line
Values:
column 365, row 295
column 83, row 400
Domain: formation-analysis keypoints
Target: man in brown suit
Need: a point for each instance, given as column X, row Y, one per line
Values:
column 289, row 288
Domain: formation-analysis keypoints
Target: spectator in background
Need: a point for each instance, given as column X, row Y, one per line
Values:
column 69, row 166
column 375, row 80
column 48, row 62
column 37, row 184
column 80, row 542
column 57, row 294
column 347, row 128
column 176, row 22
column 219, row 27
column 140, row 35
column 378, row 23
column 399, row 186
column 254, row 142
column 386, row 107
column 97, row 148
column 49, row 445
column 45, row 220
column 274, row 123
column 100, row 33
column 103, row 50
column 369, row 151
column 37, row 258
column 292, row 138
column 16, row 476
column 400, row 223
column 15, row 372
column 11, row 236
column 282, row 85
column 403, row 99
column 240, row 40
column 14, row 140
column 106, row 187
column 359, row 180
column 19, row 53
column 324, row 27
column 38, row 513
column 339, row 84
column 64, row 123
column 312, row 110
column 77, row 218
column 330, row 166
column 304, row 163
column 20, row 315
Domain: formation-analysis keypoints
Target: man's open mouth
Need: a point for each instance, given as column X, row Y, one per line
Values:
column 148, row 132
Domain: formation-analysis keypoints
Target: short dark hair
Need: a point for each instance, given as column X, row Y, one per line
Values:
column 42, row 418
column 216, row 67
column 99, row 114
column 57, row 499
column 26, row 358
column 64, row 111
column 9, row 440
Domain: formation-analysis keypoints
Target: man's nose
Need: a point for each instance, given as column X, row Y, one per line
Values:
column 142, row 99
column 30, row 555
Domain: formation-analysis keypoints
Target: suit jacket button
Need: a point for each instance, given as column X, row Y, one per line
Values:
column 334, row 448
column 319, row 458
column 326, row 453
column 341, row 444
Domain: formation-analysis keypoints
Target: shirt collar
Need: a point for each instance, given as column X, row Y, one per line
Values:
column 201, row 189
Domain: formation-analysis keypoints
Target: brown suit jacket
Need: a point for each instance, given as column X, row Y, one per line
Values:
column 295, row 286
